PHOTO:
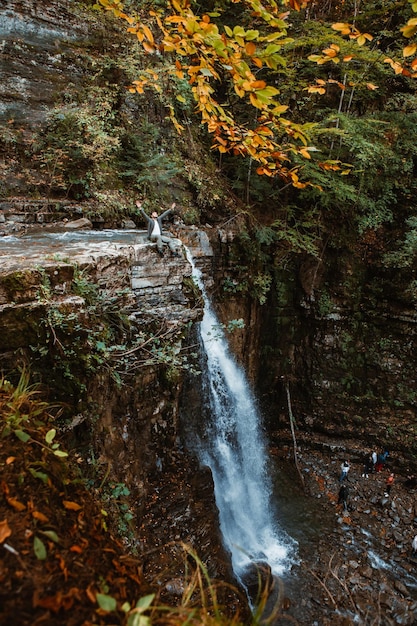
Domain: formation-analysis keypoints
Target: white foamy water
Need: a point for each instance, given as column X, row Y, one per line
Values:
column 234, row 449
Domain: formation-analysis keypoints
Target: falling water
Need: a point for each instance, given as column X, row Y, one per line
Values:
column 234, row 448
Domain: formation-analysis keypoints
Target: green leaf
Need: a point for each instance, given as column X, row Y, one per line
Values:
column 60, row 453
column 107, row 603
column 51, row 534
column 272, row 48
column 138, row 620
column 49, row 437
column 43, row 477
column 145, row 602
column 238, row 31
column 20, row 434
column 39, row 549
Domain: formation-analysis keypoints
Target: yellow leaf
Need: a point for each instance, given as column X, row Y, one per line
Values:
column 408, row 31
column 343, row 28
column 315, row 89
column 279, row 109
column 72, row 506
column 410, row 50
column 255, row 102
column 305, row 153
column 148, row 33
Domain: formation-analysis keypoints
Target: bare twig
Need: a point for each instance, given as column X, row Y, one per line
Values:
column 323, row 584
column 287, row 388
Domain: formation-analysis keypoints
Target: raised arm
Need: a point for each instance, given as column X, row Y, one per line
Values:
column 140, row 207
column 165, row 213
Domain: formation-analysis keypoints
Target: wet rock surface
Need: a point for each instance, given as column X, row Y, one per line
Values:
column 360, row 568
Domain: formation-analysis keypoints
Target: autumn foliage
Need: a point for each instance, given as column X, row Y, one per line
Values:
column 208, row 53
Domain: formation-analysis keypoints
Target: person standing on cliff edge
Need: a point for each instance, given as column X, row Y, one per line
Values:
column 155, row 229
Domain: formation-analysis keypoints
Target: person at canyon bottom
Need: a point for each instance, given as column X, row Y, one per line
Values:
column 368, row 466
column 414, row 547
column 345, row 467
column 155, row 229
column 389, row 483
column 343, row 496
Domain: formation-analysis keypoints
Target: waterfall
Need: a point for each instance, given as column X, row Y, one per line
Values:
column 233, row 446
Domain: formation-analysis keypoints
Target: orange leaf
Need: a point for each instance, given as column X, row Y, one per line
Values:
column 332, row 51
column 53, row 603
column 4, row 530
column 40, row 516
column 72, row 506
column 76, row 548
column 90, row 593
column 342, row 27
column 305, row 153
column 16, row 504
column 148, row 47
column 258, row 84
column 148, row 33
column 250, row 48
column 10, row 459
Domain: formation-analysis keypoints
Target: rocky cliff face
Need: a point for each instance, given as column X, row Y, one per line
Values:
column 123, row 418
